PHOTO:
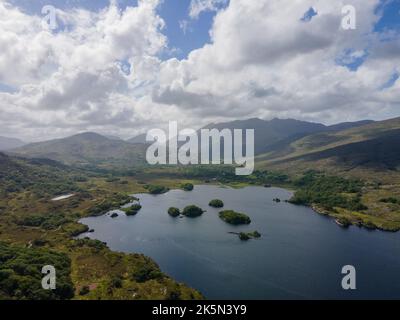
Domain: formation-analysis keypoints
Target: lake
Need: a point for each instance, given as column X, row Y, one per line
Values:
column 299, row 256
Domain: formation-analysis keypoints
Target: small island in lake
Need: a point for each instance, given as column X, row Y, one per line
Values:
column 132, row 210
column 114, row 215
column 192, row 211
column 233, row 217
column 174, row 212
column 187, row 186
column 216, row 203
column 244, row 236
column 249, row 235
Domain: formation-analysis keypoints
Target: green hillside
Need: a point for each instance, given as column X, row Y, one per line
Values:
column 371, row 147
column 268, row 132
column 86, row 149
column 33, row 225
column 40, row 176
column 370, row 153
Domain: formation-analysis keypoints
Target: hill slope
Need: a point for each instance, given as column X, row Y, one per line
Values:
column 373, row 147
column 138, row 139
column 10, row 143
column 86, row 149
column 38, row 175
column 273, row 134
column 268, row 133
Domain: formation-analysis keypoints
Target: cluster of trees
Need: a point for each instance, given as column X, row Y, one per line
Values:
column 77, row 228
column 390, row 200
column 145, row 270
column 174, row 212
column 92, row 243
column 21, row 273
column 268, row 177
column 48, row 222
column 226, row 174
column 132, row 210
column 328, row 191
column 249, row 235
column 220, row 172
column 113, row 179
column 235, row 218
column 155, row 189
column 192, row 211
column 187, row 186
column 42, row 177
column 115, row 202
column 216, row 203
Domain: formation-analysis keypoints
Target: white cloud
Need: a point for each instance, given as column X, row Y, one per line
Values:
column 262, row 61
column 264, row 45
column 72, row 78
column 199, row 6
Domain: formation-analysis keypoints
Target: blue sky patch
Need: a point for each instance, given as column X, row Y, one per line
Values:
column 125, row 67
column 390, row 20
column 352, row 59
column 309, row 14
column 390, row 83
column 6, row 88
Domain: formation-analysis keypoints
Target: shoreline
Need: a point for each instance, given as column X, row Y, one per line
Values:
column 357, row 223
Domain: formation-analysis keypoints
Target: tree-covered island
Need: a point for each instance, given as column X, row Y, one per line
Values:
column 174, row 212
column 233, row 217
column 216, row 203
column 192, row 211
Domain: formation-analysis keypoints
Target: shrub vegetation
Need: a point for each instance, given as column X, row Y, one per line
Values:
column 187, row 186
column 328, row 192
column 235, row 218
column 192, row 211
column 132, row 210
column 154, row 189
column 216, row 203
column 174, row 212
column 21, row 273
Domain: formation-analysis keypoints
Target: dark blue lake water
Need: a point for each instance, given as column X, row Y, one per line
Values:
column 299, row 256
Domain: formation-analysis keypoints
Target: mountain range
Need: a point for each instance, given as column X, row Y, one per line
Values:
column 372, row 147
column 86, row 149
column 279, row 143
column 270, row 133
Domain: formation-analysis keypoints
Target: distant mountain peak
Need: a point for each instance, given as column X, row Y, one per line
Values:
column 88, row 136
column 10, row 143
column 83, row 149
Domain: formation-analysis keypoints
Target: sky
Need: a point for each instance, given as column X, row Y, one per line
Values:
column 122, row 67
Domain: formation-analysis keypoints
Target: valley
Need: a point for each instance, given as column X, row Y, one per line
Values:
column 348, row 172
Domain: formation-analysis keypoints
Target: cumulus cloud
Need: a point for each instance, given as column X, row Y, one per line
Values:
column 101, row 71
column 199, row 6
column 73, row 78
column 292, row 64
